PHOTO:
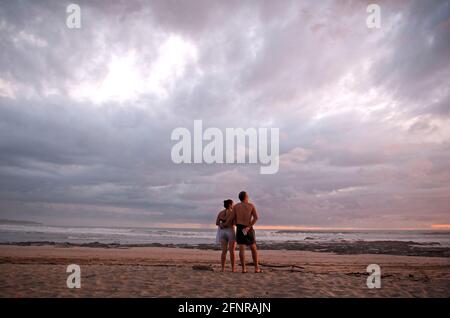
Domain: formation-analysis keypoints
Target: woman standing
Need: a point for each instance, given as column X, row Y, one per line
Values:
column 226, row 234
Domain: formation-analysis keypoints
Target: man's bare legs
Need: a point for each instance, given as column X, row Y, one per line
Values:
column 231, row 248
column 224, row 254
column 242, row 257
column 255, row 257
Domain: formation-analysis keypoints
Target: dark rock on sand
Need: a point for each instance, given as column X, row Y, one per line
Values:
column 409, row 248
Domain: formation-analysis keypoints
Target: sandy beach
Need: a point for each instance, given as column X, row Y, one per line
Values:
column 40, row 271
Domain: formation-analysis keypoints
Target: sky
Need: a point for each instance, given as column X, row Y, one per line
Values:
column 363, row 113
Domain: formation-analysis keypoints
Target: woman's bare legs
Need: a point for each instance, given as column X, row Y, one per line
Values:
column 232, row 247
column 224, row 253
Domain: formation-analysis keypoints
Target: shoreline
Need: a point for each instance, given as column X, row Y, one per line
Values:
column 400, row 248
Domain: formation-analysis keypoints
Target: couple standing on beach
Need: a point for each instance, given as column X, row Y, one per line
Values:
column 242, row 216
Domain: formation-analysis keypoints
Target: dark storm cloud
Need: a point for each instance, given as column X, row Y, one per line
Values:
column 86, row 115
column 415, row 68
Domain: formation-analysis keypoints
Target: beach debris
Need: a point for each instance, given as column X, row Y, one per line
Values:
column 202, row 268
column 278, row 265
column 359, row 274
column 419, row 278
column 291, row 267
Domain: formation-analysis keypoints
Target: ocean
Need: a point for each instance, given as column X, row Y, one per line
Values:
column 13, row 233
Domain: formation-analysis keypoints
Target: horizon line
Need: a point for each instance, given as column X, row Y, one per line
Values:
column 438, row 227
column 435, row 226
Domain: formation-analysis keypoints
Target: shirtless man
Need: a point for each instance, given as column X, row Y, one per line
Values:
column 244, row 215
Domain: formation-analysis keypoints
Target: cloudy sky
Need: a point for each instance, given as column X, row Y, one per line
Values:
column 364, row 114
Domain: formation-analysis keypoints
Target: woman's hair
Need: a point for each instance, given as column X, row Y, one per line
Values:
column 227, row 203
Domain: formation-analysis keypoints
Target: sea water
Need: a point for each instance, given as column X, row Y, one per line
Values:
column 12, row 233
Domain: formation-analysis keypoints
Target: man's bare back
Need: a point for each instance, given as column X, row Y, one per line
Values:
column 244, row 213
